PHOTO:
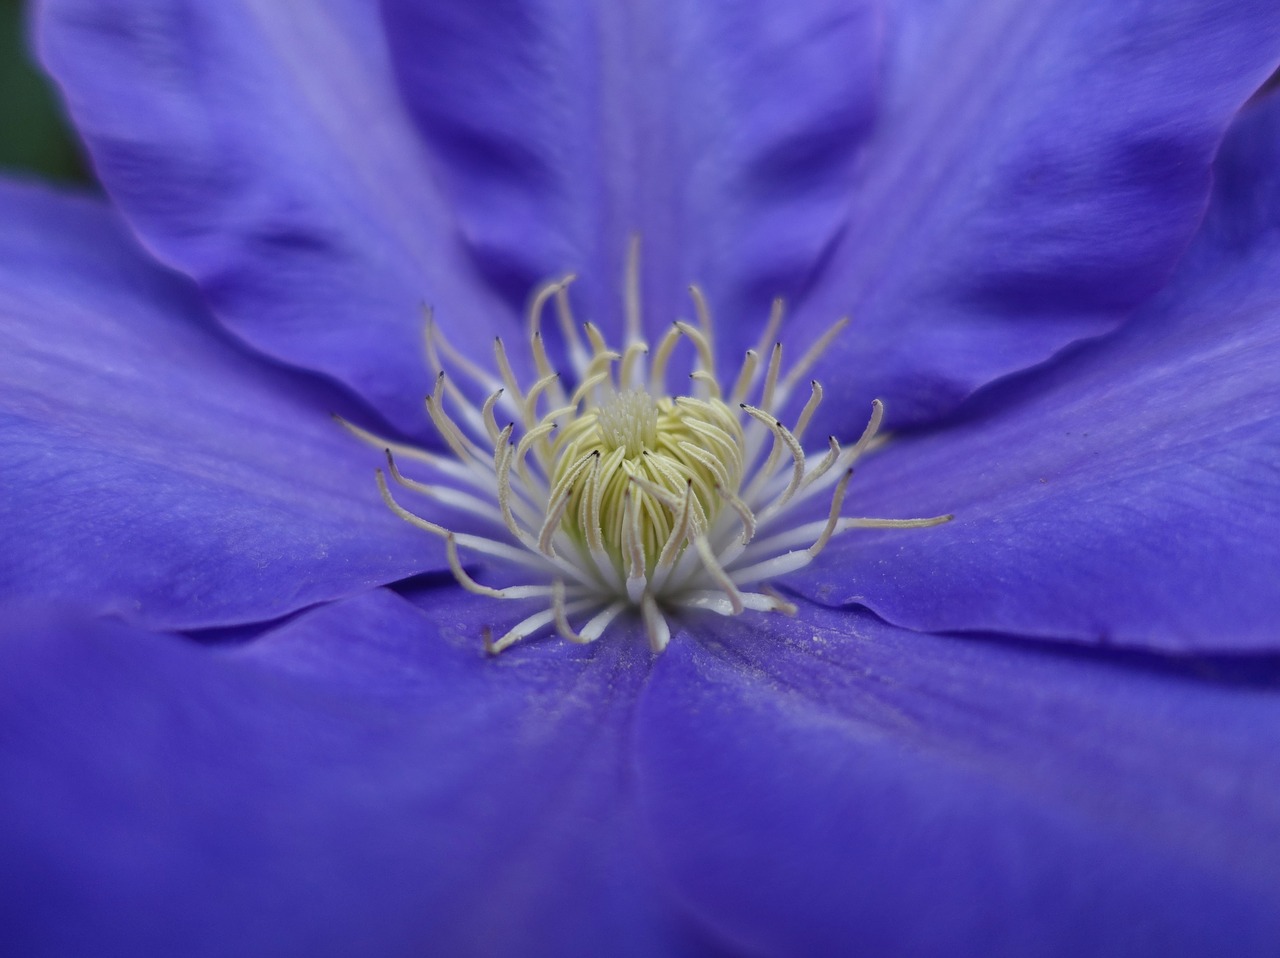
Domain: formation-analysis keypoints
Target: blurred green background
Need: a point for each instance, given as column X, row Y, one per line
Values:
column 34, row 136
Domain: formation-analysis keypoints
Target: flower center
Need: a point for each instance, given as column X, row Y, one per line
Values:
column 617, row 495
column 628, row 420
column 646, row 459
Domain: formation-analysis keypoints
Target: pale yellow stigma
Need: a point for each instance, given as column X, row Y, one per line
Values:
column 628, row 421
column 605, row 490
column 659, row 468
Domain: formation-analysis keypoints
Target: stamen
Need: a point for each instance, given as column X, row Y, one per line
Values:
column 610, row 491
column 771, row 328
column 405, row 514
column 679, row 531
column 779, row 603
column 599, row 348
column 450, row 467
column 824, row 466
column 471, row 585
column 655, row 624
column 744, row 513
column 750, row 362
column 633, row 548
column 666, row 346
column 561, row 615
column 531, row 626
column 591, row 382
column 577, row 352
column 453, row 498
column 560, row 502
column 531, row 400
column 710, row 384
column 832, row 518
column 704, row 321
column 813, row 353
column 815, row 400
column 706, row 361
column 454, row 438
column 476, row 543
column 894, row 523
column 436, row 344
column 543, row 365
column 631, row 292
column 753, row 601
column 490, row 421
column 717, row 573
column 630, row 359
column 529, row 438
column 507, row 373
column 600, row 621
column 771, row 377
column 785, row 440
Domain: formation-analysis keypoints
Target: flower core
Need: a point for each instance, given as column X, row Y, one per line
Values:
column 607, row 490
column 650, row 454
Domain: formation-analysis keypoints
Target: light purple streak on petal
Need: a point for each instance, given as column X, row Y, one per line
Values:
column 363, row 781
column 722, row 133
column 152, row 469
column 259, row 146
column 1036, row 172
column 830, row 785
column 1129, row 495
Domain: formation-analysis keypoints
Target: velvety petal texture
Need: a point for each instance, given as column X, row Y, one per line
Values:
column 1037, row 170
column 258, row 146
column 721, row 133
column 977, row 184
column 362, row 781
column 150, row 468
column 832, row 785
column 230, row 738
column 1130, row 495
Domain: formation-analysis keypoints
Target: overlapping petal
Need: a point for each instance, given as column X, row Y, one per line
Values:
column 150, row 467
column 1012, row 177
column 361, row 781
column 723, row 134
column 834, row 786
column 1130, row 495
column 1037, row 170
column 259, row 146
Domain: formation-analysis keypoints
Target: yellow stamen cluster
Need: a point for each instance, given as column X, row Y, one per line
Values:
column 620, row 495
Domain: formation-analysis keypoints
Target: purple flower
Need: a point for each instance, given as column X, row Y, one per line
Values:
column 244, row 708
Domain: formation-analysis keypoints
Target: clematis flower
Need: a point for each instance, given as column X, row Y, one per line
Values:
column 245, row 709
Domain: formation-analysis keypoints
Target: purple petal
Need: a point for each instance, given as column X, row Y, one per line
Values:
column 721, row 133
column 363, row 781
column 259, row 147
column 1027, row 174
column 831, row 785
column 1130, row 494
column 152, row 469
column 1037, row 171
